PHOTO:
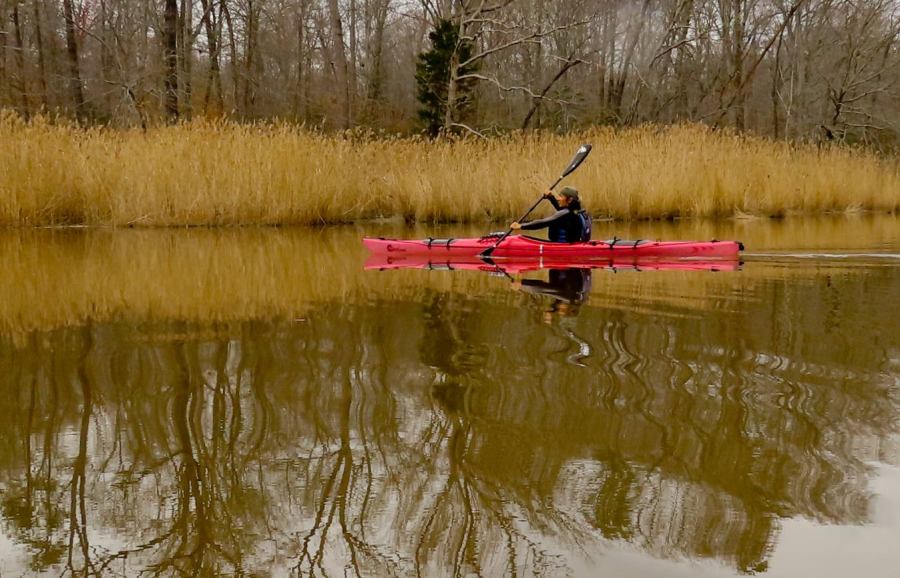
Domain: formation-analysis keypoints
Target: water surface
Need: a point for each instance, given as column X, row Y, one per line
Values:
column 252, row 402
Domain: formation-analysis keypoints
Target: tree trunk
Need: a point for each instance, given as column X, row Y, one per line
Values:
column 376, row 58
column 453, row 81
column 251, row 49
column 538, row 75
column 738, row 52
column 232, row 47
column 352, row 80
column 186, row 45
column 24, row 105
column 339, row 56
column 170, row 53
column 42, row 59
column 682, row 100
column 612, row 25
column 300, row 103
column 798, row 76
column 777, row 80
column 75, row 88
column 618, row 92
column 213, row 99
column 106, row 53
column 450, row 110
column 4, row 81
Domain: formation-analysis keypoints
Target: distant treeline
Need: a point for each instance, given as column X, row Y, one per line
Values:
column 797, row 69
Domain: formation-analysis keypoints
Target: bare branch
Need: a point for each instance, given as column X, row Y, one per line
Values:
column 521, row 40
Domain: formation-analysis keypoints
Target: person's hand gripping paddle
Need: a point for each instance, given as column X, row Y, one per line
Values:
column 579, row 157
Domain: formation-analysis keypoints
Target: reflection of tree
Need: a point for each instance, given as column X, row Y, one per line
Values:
column 335, row 502
column 31, row 509
column 315, row 447
column 472, row 517
column 209, row 498
column 215, row 506
column 78, row 520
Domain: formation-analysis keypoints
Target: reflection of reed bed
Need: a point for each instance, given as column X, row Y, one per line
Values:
column 58, row 278
column 219, row 173
column 62, row 278
column 835, row 234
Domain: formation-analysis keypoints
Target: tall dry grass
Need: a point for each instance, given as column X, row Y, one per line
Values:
column 207, row 173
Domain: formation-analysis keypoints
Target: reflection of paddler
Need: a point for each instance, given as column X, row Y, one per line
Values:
column 571, row 286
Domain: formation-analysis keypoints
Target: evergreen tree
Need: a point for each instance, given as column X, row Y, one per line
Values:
column 437, row 70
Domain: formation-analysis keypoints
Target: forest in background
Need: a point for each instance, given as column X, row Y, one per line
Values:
column 810, row 70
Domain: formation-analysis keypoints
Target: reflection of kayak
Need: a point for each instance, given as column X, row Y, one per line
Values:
column 521, row 265
column 522, row 246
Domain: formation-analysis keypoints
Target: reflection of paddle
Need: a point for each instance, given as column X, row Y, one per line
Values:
column 497, row 267
column 579, row 157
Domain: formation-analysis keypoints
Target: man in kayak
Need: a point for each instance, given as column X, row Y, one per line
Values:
column 569, row 224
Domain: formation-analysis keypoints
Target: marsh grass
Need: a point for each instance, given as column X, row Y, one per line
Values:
column 207, row 173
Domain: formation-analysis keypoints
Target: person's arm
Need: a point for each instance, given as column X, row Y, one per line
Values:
column 539, row 287
column 551, row 289
column 541, row 223
column 550, row 197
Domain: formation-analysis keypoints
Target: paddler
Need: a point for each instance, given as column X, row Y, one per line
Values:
column 569, row 224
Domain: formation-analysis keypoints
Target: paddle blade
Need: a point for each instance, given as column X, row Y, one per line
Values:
column 579, row 157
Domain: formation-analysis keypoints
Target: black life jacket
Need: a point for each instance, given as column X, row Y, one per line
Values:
column 575, row 227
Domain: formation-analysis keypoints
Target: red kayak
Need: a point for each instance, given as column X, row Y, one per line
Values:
column 519, row 246
column 382, row 262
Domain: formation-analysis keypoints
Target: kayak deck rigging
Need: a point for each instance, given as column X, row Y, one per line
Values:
column 431, row 242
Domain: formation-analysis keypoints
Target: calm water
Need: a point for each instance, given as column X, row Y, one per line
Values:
column 255, row 403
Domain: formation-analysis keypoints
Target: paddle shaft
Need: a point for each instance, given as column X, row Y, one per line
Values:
column 487, row 252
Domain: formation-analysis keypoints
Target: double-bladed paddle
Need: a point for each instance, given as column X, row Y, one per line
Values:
column 579, row 157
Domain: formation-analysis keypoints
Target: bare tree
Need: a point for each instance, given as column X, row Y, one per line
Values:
column 798, row 69
column 170, row 52
column 339, row 65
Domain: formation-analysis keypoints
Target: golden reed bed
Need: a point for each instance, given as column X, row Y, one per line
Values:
column 207, row 173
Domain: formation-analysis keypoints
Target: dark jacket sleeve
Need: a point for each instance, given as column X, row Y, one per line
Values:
column 538, row 287
column 554, row 202
column 541, row 223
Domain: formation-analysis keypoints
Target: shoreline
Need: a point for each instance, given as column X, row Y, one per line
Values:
column 400, row 222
